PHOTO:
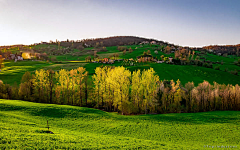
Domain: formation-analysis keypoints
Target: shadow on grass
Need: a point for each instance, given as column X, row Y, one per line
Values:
column 55, row 111
column 64, row 111
column 196, row 118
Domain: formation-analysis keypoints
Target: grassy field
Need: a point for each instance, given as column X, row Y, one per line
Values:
column 23, row 126
column 12, row 72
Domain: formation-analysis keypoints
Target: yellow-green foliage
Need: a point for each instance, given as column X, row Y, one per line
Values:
column 115, row 83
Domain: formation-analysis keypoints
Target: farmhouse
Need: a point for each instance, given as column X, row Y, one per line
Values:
column 210, row 50
column 144, row 42
column 19, row 57
column 153, row 42
column 11, row 56
column 111, row 61
column 170, row 59
column 105, row 60
column 159, row 62
column 86, row 45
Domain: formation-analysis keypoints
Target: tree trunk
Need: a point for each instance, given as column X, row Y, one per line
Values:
column 86, row 91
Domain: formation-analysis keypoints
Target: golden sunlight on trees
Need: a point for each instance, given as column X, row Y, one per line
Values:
column 118, row 89
column 1, row 62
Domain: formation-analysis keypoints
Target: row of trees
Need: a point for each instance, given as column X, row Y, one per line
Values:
column 63, row 87
column 117, row 89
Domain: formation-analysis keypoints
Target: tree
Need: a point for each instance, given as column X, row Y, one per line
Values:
column 189, row 103
column 1, row 62
column 26, row 87
column 117, row 55
column 95, row 54
column 73, row 85
column 51, row 80
column 40, row 86
column 62, row 79
column 137, row 89
column 81, row 75
column 167, row 49
column 130, row 50
column 148, row 52
column 97, row 45
column 96, row 80
column 124, row 52
column 149, row 82
column 162, row 56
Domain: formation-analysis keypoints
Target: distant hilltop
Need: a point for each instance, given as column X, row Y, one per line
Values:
column 129, row 40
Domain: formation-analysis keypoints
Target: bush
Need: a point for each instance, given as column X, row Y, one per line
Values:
column 221, row 62
column 205, row 65
column 210, row 65
column 217, row 68
column 234, row 72
column 226, row 69
column 122, row 48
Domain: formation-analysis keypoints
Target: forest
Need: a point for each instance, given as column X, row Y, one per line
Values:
column 120, row 90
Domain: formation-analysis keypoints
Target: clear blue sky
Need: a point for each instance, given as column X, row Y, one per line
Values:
column 182, row 22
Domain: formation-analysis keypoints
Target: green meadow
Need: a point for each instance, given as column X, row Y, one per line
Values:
column 13, row 71
column 23, row 125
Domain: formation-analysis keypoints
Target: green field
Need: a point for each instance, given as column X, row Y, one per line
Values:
column 13, row 71
column 23, row 126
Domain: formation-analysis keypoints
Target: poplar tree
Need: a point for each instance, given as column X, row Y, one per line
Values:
column 149, row 82
column 81, row 75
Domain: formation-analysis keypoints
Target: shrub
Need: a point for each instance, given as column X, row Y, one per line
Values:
column 217, row 68
column 210, row 65
column 222, row 62
column 234, row 72
column 205, row 65
column 226, row 69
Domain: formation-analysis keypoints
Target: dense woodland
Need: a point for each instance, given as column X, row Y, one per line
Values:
column 117, row 89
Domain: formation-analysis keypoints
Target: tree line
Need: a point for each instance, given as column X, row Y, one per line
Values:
column 118, row 89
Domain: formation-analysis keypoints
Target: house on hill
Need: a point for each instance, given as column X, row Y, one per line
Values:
column 144, row 42
column 210, row 50
column 105, row 60
column 19, row 57
column 159, row 62
column 86, row 45
column 170, row 59
column 153, row 42
column 111, row 61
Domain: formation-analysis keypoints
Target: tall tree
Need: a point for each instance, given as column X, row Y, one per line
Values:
column 81, row 75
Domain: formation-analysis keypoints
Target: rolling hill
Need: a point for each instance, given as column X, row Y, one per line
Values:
column 23, row 125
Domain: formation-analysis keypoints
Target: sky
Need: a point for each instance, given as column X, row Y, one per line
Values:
column 181, row 22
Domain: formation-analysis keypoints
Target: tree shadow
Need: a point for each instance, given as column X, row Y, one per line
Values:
column 62, row 111
column 55, row 111
column 196, row 118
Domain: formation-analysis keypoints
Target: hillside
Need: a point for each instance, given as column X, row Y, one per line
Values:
column 185, row 73
column 23, row 126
